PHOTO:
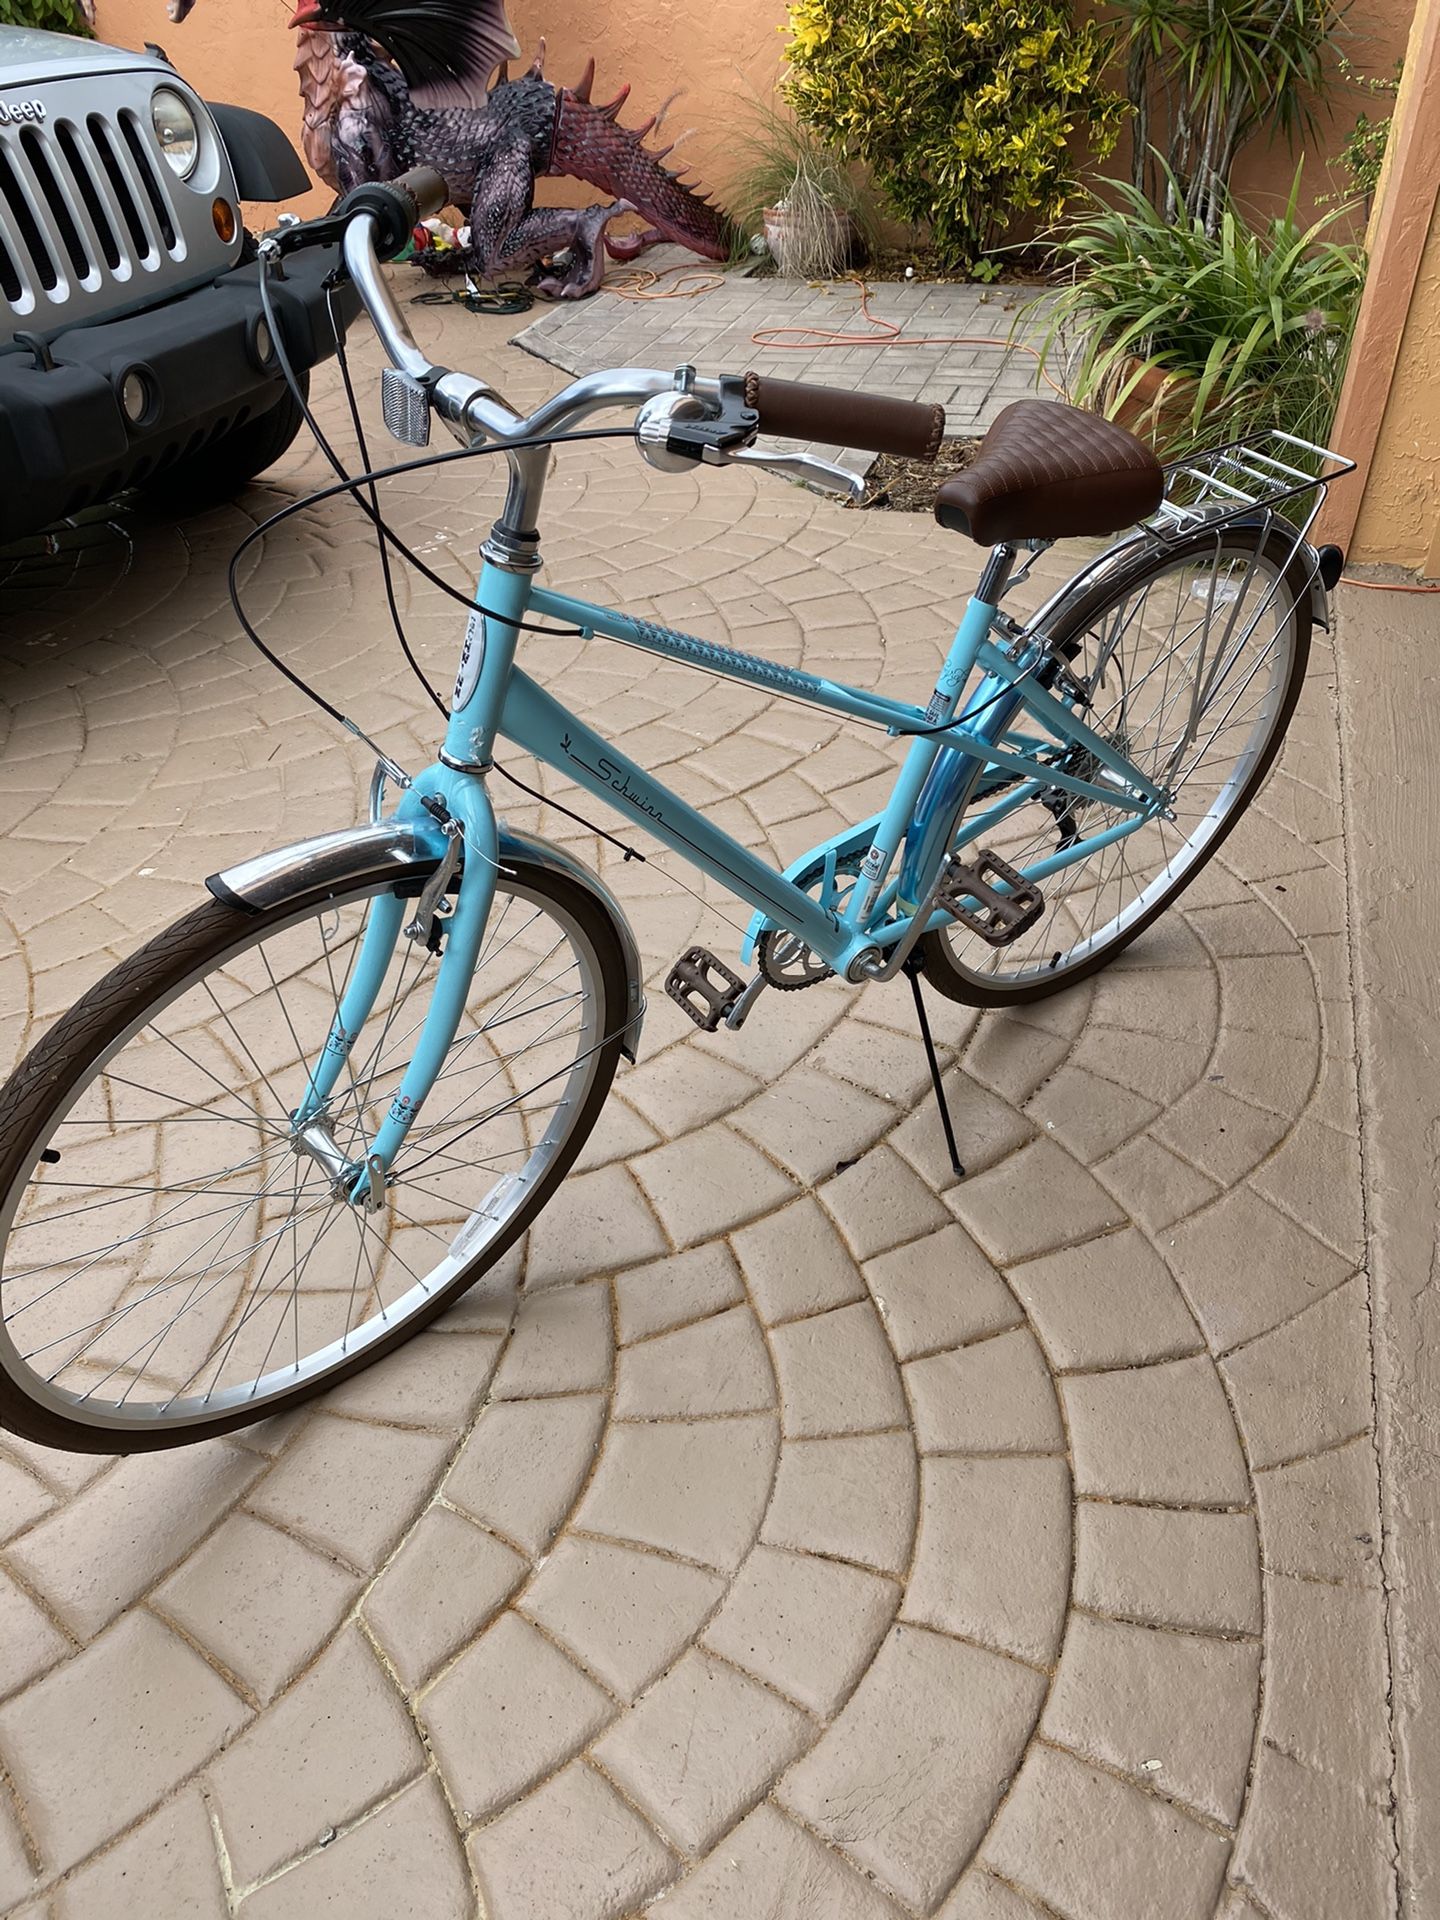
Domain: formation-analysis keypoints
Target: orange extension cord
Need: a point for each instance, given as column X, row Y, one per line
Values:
column 887, row 333
column 643, row 283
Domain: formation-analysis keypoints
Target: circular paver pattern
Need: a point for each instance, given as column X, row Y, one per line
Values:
column 790, row 1529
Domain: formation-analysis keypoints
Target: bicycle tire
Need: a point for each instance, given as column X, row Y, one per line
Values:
column 57, row 1072
column 956, row 981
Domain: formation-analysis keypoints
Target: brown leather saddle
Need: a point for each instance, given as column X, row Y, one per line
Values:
column 1046, row 471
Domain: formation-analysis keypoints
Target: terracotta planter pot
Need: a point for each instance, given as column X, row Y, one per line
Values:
column 795, row 249
column 1158, row 400
column 1158, row 404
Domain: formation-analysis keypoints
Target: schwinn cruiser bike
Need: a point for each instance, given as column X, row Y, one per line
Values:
column 299, row 1123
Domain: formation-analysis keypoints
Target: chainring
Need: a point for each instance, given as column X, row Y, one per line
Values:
column 784, row 959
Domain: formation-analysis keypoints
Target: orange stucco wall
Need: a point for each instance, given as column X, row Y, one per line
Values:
column 231, row 50
column 713, row 54
column 241, row 51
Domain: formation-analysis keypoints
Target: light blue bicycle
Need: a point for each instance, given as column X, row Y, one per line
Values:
column 299, row 1123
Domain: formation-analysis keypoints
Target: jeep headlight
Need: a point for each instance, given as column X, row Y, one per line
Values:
column 176, row 131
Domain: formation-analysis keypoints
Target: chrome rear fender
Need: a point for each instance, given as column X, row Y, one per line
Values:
column 1117, row 560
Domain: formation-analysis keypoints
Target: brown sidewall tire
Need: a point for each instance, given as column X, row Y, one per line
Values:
column 44, row 1080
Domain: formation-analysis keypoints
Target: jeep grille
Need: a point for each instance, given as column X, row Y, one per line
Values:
column 84, row 205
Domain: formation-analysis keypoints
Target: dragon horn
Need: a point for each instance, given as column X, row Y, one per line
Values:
column 537, row 71
column 612, row 110
column 587, row 80
column 503, row 75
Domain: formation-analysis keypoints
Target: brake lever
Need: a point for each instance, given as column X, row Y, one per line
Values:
column 291, row 234
column 792, row 466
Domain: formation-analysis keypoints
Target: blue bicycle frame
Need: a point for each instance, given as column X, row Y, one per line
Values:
column 954, row 758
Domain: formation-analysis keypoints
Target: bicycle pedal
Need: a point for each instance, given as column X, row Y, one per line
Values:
column 705, row 987
column 1004, row 912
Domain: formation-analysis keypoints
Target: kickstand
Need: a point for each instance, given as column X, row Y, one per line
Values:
column 912, row 968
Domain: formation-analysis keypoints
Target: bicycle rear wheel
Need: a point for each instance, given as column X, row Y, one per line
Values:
column 175, row 1262
column 1191, row 664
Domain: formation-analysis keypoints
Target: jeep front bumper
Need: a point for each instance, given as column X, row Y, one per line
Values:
column 65, row 440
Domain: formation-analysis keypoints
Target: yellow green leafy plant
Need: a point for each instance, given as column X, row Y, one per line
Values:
column 963, row 110
column 56, row 16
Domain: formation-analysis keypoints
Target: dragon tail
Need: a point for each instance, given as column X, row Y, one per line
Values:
column 591, row 145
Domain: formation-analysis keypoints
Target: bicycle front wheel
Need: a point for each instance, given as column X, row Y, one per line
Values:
column 175, row 1261
column 1190, row 664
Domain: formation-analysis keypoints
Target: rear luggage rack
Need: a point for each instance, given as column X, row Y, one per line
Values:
column 1248, row 481
column 1244, row 478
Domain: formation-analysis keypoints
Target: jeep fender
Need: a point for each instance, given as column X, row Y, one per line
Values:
column 266, row 166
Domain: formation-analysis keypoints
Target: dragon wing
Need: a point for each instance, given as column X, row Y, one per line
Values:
column 446, row 49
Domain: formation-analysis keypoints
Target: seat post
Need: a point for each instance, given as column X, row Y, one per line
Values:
column 996, row 577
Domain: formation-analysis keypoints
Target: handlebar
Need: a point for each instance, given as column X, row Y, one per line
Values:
column 373, row 223
column 396, row 206
column 427, row 188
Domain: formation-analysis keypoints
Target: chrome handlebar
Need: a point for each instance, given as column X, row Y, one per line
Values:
column 474, row 412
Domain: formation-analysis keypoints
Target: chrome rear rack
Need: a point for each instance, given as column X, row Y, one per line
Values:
column 1243, row 478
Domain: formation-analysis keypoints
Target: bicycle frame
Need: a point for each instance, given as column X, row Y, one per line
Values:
column 495, row 697
column 928, row 820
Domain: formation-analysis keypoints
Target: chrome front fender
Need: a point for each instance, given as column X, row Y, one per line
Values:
column 323, row 866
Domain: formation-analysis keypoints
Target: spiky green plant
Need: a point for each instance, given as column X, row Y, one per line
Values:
column 1205, row 77
column 780, row 160
column 1250, row 325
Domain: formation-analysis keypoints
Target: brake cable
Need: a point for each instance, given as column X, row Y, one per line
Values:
column 366, row 484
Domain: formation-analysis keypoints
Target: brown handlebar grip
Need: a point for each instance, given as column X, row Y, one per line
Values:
column 426, row 188
column 840, row 419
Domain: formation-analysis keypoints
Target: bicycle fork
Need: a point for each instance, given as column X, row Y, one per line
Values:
column 469, row 808
column 450, row 798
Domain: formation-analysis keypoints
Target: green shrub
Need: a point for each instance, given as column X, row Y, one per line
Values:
column 1250, row 324
column 1205, row 77
column 963, row 113
column 1363, row 153
column 56, row 16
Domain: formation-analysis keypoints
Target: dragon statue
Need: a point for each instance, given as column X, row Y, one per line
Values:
column 392, row 84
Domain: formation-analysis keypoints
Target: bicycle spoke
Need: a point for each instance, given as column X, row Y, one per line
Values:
column 168, row 1282
column 1182, row 675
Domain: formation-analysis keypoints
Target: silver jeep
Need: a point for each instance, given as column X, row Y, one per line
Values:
column 133, row 348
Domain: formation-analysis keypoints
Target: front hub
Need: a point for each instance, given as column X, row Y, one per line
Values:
column 317, row 1139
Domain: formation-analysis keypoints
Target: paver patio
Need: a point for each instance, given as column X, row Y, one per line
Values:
column 812, row 1536
column 957, row 349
